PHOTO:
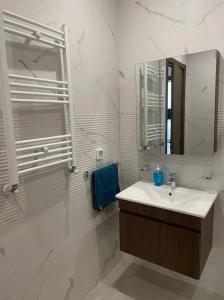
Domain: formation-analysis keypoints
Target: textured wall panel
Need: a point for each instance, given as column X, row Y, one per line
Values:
column 129, row 149
column 44, row 188
column 59, row 246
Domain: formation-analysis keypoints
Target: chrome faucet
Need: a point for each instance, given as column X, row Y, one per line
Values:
column 172, row 180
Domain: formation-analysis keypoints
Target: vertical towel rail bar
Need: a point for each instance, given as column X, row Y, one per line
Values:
column 66, row 70
column 7, row 112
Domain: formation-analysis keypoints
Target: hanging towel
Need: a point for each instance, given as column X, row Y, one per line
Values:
column 105, row 186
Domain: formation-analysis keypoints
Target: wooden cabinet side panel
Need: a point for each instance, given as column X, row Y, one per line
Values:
column 206, row 238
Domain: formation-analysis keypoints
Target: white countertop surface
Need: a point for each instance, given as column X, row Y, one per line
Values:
column 187, row 201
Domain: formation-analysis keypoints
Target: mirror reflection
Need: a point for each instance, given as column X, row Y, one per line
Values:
column 178, row 104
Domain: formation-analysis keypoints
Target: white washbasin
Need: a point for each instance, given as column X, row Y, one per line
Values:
column 188, row 201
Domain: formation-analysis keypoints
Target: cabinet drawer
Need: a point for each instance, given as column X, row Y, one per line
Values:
column 163, row 215
column 169, row 246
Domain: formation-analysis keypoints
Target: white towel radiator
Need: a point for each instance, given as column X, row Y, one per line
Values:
column 25, row 156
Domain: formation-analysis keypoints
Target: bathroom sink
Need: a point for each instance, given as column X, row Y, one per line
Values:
column 188, row 201
column 175, row 197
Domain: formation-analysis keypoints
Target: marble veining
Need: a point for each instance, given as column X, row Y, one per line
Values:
column 103, row 88
column 40, row 290
column 200, row 143
column 70, row 287
column 24, row 64
column 38, row 57
column 79, row 64
column 36, row 274
column 12, row 274
column 79, row 41
column 121, row 73
column 2, row 252
column 157, row 46
column 212, row 10
column 100, row 5
column 156, row 13
column 107, row 263
column 204, row 89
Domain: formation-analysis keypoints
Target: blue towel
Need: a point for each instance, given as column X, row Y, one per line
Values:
column 105, row 186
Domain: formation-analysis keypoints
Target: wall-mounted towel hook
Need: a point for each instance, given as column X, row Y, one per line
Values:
column 74, row 170
column 9, row 189
column 86, row 175
column 37, row 34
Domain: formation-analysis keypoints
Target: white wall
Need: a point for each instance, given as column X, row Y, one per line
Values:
column 152, row 30
column 53, row 245
column 200, row 103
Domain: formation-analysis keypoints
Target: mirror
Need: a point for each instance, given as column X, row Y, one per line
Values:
column 177, row 100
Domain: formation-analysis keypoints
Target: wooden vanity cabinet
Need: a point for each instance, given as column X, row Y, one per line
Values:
column 173, row 240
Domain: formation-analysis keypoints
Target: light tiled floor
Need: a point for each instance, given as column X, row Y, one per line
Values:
column 135, row 282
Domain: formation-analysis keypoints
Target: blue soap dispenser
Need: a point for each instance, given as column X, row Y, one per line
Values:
column 158, row 177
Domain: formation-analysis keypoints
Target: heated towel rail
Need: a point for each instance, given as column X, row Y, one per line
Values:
column 25, row 156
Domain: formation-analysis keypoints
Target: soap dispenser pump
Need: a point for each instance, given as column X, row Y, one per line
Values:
column 158, row 176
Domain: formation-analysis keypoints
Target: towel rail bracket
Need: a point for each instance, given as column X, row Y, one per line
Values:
column 9, row 189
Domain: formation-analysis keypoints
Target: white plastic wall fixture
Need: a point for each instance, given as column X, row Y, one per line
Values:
column 99, row 153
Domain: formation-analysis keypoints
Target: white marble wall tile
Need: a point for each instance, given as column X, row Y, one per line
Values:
column 151, row 30
column 58, row 247
column 53, row 245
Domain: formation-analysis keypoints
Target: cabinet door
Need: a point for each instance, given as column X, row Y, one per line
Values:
column 140, row 237
column 166, row 245
column 179, row 250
